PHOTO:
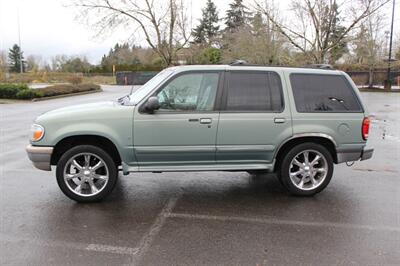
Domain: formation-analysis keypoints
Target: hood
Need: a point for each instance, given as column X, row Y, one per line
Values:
column 88, row 107
column 79, row 112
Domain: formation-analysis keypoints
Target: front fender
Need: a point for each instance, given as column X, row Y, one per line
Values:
column 114, row 124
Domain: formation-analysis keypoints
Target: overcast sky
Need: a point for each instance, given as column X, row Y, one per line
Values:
column 48, row 28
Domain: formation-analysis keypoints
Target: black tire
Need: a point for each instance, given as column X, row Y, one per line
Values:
column 110, row 166
column 284, row 171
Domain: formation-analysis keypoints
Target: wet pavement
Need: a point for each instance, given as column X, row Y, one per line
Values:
column 203, row 218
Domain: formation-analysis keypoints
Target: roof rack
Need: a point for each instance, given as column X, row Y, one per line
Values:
column 240, row 62
column 320, row 66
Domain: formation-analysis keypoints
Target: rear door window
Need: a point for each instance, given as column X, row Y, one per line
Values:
column 323, row 93
column 254, row 91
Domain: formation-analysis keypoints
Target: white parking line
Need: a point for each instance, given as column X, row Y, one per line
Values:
column 71, row 245
column 112, row 249
column 148, row 238
column 135, row 253
column 284, row 222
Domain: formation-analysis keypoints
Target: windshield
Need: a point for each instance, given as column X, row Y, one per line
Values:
column 136, row 96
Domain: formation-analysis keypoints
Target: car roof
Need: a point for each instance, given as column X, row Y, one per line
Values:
column 287, row 69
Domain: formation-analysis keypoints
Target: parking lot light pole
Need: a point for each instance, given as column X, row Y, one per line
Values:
column 388, row 84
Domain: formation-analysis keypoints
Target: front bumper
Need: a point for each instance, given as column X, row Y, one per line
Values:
column 40, row 156
column 353, row 153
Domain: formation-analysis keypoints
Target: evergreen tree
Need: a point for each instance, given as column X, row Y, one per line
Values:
column 208, row 27
column 236, row 16
column 337, row 31
column 121, row 54
column 15, row 57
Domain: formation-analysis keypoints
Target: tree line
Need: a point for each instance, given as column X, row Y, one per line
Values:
column 311, row 31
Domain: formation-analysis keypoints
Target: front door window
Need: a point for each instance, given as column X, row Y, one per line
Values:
column 190, row 92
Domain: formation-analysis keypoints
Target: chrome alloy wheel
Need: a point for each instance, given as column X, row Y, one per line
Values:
column 308, row 169
column 86, row 174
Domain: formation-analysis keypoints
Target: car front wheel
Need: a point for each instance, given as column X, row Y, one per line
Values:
column 86, row 173
column 306, row 169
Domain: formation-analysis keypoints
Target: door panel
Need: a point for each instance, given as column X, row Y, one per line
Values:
column 173, row 139
column 183, row 131
column 254, row 120
column 250, row 137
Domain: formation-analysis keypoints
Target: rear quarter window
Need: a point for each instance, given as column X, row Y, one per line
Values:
column 323, row 93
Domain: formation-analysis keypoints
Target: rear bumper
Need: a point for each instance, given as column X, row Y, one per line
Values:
column 40, row 156
column 366, row 154
column 353, row 153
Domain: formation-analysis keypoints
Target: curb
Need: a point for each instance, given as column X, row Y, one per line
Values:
column 65, row 95
column 379, row 90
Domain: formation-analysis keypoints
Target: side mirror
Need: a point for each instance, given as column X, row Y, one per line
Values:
column 152, row 104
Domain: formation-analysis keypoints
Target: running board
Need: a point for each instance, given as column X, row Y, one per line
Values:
column 197, row 168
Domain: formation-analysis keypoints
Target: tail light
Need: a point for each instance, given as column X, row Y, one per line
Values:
column 365, row 128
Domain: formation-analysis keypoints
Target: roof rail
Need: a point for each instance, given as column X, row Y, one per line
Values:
column 239, row 63
column 320, row 66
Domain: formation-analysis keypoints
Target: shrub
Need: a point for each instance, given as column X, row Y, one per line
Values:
column 28, row 94
column 21, row 91
column 67, row 89
column 9, row 91
column 210, row 56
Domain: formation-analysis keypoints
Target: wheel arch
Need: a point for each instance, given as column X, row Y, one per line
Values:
column 71, row 141
column 322, row 139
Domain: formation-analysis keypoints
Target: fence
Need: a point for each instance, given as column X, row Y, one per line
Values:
column 361, row 78
column 134, row 78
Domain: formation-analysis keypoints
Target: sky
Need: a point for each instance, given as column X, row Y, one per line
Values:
column 49, row 28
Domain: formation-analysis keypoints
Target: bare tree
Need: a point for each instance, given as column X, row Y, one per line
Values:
column 314, row 28
column 34, row 63
column 162, row 23
column 3, row 65
column 369, row 42
column 257, row 43
column 3, row 61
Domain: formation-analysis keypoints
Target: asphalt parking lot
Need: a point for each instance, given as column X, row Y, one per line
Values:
column 203, row 218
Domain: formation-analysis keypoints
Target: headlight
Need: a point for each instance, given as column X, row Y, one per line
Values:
column 37, row 132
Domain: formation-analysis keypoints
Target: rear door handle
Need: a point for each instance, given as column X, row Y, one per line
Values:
column 205, row 120
column 279, row 120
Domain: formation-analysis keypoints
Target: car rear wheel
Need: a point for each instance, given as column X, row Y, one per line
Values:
column 86, row 173
column 306, row 169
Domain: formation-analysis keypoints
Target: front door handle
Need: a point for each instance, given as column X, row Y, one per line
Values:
column 205, row 120
column 279, row 120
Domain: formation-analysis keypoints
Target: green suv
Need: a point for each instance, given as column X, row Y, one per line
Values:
column 296, row 122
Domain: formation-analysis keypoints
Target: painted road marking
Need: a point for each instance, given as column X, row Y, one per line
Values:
column 148, row 238
column 71, row 245
column 284, row 222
